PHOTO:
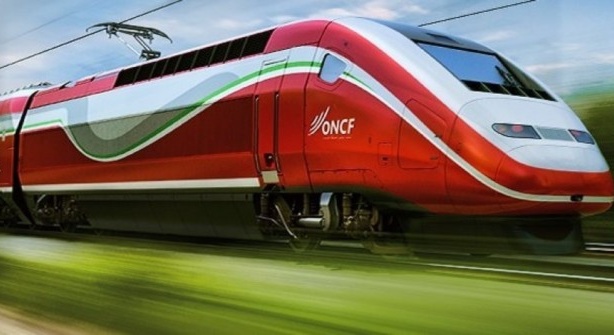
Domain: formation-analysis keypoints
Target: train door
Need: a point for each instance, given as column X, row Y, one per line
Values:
column 331, row 117
column 266, row 113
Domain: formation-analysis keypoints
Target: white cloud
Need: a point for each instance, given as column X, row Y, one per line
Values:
column 333, row 12
column 587, row 62
column 279, row 19
column 606, row 59
column 378, row 9
column 496, row 36
column 409, row 8
column 238, row 24
column 549, row 67
column 568, row 47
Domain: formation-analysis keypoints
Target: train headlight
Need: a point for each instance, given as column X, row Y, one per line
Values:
column 582, row 136
column 515, row 130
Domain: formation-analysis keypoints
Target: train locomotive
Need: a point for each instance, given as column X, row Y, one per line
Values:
column 310, row 130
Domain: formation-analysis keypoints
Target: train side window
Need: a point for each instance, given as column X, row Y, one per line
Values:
column 332, row 68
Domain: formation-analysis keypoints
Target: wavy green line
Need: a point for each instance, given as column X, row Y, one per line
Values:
column 191, row 108
column 186, row 111
column 43, row 124
column 6, row 125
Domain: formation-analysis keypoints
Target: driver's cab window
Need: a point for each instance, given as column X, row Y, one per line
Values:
column 332, row 68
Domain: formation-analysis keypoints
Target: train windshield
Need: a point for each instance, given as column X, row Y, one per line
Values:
column 475, row 65
column 471, row 65
column 483, row 71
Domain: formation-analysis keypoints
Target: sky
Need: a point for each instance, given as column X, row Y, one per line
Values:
column 568, row 44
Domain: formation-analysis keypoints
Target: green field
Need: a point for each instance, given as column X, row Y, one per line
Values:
column 156, row 288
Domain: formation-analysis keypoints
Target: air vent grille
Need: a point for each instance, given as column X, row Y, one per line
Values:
column 508, row 90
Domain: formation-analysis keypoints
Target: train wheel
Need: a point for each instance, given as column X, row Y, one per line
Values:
column 300, row 241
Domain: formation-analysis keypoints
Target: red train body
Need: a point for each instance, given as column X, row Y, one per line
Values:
column 311, row 128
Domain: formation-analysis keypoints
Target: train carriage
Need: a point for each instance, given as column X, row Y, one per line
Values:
column 312, row 129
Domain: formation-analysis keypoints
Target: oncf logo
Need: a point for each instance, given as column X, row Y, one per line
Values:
column 332, row 127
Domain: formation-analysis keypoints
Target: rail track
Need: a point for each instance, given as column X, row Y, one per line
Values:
column 600, row 247
column 594, row 267
column 590, row 246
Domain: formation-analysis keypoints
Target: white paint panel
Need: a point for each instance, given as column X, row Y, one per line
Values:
column 148, row 185
column 561, row 158
column 414, row 60
column 19, row 93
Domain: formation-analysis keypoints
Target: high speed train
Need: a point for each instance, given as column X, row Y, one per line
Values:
column 310, row 130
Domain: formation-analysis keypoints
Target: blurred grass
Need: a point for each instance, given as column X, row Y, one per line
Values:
column 151, row 290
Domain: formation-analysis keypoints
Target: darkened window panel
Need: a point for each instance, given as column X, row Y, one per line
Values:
column 544, row 95
column 171, row 65
column 476, row 86
column 220, row 53
column 158, row 68
column 145, row 72
column 204, row 57
column 186, row 61
column 236, row 47
column 256, row 43
column 126, row 76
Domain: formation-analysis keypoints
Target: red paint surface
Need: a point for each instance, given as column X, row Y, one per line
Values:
column 69, row 91
column 382, row 154
column 12, row 107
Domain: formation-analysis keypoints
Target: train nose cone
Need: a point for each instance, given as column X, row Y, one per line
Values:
column 560, row 157
column 570, row 174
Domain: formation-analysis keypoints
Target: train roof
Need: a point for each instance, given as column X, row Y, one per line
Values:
column 25, row 91
column 434, row 37
column 261, row 37
column 216, row 53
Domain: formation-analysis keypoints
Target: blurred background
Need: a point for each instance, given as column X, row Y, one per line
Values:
column 102, row 286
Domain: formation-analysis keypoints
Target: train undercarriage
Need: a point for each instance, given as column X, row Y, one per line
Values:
column 303, row 219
